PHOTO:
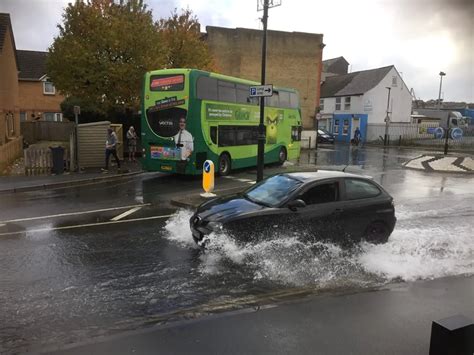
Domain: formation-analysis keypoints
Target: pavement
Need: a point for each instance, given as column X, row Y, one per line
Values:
column 442, row 163
column 393, row 320
column 22, row 183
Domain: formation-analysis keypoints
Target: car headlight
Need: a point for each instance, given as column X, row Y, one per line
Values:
column 214, row 226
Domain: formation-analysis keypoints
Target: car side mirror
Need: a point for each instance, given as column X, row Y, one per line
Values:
column 295, row 204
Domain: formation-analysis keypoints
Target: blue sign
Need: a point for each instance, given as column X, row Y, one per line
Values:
column 207, row 166
column 456, row 133
column 439, row 133
column 253, row 91
column 431, row 130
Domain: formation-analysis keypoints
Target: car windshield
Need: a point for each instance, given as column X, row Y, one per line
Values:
column 272, row 191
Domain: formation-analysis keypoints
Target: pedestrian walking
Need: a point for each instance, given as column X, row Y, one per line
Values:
column 357, row 136
column 111, row 149
column 132, row 143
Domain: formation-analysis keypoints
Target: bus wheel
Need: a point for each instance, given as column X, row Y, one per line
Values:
column 282, row 155
column 224, row 164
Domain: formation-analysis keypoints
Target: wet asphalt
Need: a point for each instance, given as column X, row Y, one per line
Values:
column 73, row 268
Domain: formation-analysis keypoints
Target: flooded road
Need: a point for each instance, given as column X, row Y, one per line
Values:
column 61, row 285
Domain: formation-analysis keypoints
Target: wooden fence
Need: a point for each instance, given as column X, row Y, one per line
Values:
column 39, row 160
column 46, row 131
column 10, row 151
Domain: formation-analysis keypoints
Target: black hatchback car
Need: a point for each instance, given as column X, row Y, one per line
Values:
column 326, row 205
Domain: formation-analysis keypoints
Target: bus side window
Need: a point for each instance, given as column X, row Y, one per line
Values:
column 296, row 133
column 213, row 134
column 294, row 100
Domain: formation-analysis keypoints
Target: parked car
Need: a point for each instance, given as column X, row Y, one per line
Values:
column 325, row 137
column 327, row 205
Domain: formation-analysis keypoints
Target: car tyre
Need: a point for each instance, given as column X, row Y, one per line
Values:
column 224, row 164
column 282, row 156
column 377, row 232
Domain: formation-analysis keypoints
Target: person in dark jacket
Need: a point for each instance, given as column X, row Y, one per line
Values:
column 111, row 149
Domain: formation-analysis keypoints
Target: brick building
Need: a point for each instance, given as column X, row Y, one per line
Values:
column 39, row 99
column 9, row 100
column 293, row 60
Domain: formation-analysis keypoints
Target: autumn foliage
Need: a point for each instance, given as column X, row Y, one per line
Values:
column 104, row 47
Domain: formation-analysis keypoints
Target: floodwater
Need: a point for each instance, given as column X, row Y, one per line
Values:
column 65, row 286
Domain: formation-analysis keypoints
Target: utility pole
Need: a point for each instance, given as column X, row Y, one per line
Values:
column 387, row 118
column 263, row 5
column 441, row 74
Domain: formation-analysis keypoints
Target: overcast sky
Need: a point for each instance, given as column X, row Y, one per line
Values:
column 419, row 37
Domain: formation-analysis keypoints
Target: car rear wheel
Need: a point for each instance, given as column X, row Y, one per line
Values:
column 377, row 232
column 282, row 155
column 224, row 164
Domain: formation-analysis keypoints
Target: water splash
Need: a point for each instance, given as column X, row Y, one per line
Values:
column 412, row 253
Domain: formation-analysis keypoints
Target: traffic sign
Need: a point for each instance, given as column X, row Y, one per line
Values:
column 456, row 133
column 261, row 90
column 208, row 179
column 439, row 132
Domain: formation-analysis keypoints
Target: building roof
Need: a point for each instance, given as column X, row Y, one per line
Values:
column 328, row 63
column 31, row 64
column 356, row 83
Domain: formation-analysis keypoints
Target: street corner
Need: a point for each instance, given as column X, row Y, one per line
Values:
column 441, row 163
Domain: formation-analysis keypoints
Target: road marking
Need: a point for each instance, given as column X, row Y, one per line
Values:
column 86, row 225
column 244, row 180
column 126, row 213
column 72, row 213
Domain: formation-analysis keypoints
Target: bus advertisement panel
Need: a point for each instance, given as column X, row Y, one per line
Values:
column 189, row 116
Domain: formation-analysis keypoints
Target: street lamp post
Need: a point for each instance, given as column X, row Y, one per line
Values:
column 266, row 4
column 387, row 118
column 441, row 74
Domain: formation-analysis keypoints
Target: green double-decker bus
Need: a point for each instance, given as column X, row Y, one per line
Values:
column 189, row 116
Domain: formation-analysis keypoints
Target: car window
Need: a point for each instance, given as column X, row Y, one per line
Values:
column 357, row 189
column 272, row 191
column 323, row 193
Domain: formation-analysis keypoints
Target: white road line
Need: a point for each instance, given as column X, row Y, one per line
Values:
column 85, row 225
column 245, row 180
column 72, row 213
column 126, row 213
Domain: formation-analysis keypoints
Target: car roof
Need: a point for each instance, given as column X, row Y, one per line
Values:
column 322, row 174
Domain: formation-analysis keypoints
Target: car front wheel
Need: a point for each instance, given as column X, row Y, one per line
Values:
column 377, row 233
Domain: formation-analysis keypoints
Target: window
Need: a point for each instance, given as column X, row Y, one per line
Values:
column 394, row 81
column 169, row 82
column 357, row 189
column 10, row 124
column 345, row 127
column 338, row 103
column 321, row 105
column 207, row 88
column 323, row 193
column 294, row 100
column 273, row 101
column 213, row 134
column 49, row 116
column 226, row 91
column 336, row 126
column 48, row 88
column 284, row 99
column 347, row 103
column 58, row 117
column 237, row 135
column 272, row 191
column 22, row 116
column 296, row 133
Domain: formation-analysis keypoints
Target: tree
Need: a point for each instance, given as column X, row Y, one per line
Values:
column 185, row 48
column 103, row 50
